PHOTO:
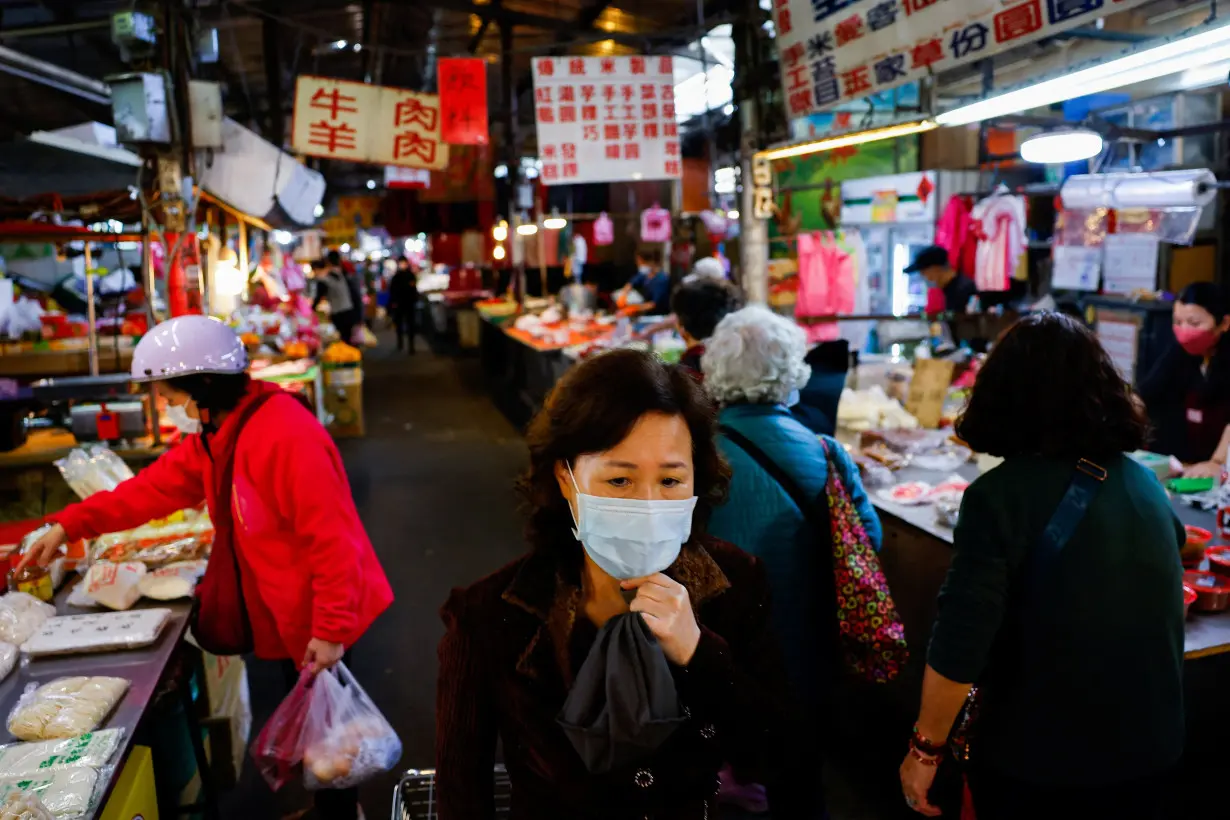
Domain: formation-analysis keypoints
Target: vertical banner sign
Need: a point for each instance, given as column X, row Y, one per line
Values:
column 606, row 119
column 357, row 122
column 463, row 100
column 835, row 51
column 763, row 206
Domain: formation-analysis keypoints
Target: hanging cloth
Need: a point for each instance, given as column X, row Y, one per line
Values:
column 604, row 230
column 1001, row 233
column 655, row 224
column 856, row 333
column 826, row 284
column 957, row 233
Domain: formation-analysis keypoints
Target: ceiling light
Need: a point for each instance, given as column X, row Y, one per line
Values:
column 358, row 46
column 283, row 237
column 845, row 140
column 732, row 214
column 527, row 229
column 345, row 247
column 555, row 222
column 1146, row 64
column 339, row 44
column 371, row 185
column 500, row 232
column 501, row 171
column 1059, row 147
column 498, row 252
column 319, row 211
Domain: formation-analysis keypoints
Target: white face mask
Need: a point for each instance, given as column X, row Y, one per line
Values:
column 178, row 414
column 644, row 269
column 631, row 537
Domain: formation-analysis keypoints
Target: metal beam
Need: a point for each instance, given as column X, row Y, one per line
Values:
column 23, row 65
column 53, row 29
column 1104, row 35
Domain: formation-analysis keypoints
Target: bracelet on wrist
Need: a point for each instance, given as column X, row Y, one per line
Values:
column 926, row 745
column 923, row 758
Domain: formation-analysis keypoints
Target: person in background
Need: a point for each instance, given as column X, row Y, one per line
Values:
column 1080, row 684
column 1187, row 391
column 622, row 438
column 651, row 281
column 333, row 287
column 753, row 365
column 957, row 289
column 403, row 303
column 698, row 305
column 311, row 584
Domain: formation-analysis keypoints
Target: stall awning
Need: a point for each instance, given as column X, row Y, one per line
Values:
column 61, row 163
column 256, row 177
column 26, row 231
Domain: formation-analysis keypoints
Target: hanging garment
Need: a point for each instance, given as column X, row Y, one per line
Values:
column 1001, row 240
column 655, row 224
column 604, row 230
column 957, row 233
column 826, row 284
column 856, row 333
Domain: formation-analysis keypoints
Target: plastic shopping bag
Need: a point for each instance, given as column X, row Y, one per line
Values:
column 330, row 725
column 346, row 740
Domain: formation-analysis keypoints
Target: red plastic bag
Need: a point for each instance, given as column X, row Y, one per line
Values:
column 278, row 749
column 330, row 726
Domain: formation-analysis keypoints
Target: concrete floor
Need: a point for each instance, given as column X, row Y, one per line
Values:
column 432, row 480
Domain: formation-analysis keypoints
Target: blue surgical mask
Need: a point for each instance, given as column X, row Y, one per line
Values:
column 632, row 537
column 643, row 269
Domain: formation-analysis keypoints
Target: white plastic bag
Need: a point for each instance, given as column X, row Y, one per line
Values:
column 20, row 805
column 21, row 615
column 65, row 794
column 93, row 749
column 346, row 740
column 115, row 586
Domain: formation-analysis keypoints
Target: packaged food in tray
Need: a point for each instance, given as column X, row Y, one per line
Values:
column 115, row 586
column 153, row 553
column 906, row 442
column 101, row 632
column 65, row 794
column 67, row 707
column 93, row 749
column 173, row 581
column 22, row 805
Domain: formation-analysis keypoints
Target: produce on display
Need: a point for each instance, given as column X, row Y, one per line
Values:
column 342, row 353
column 92, row 749
column 65, row 708
column 103, row 632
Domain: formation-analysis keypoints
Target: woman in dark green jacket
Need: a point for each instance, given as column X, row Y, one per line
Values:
column 1070, row 624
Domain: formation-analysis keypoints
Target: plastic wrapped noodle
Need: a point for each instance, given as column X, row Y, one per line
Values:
column 21, row 616
column 102, row 632
column 68, row 707
column 93, row 749
column 65, row 794
column 21, row 805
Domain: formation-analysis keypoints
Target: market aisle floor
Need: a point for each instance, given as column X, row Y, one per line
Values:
column 433, row 483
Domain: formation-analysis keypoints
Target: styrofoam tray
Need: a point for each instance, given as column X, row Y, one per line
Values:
column 102, row 632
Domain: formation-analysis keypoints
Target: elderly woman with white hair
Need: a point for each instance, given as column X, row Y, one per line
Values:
column 753, row 365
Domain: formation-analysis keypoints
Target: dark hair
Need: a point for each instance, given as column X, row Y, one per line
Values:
column 651, row 254
column 1205, row 295
column 334, row 258
column 702, row 303
column 215, row 392
column 593, row 408
column 1048, row 388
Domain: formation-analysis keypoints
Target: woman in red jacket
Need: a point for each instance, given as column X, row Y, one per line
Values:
column 311, row 582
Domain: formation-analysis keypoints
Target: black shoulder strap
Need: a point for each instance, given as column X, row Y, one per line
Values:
column 808, row 506
column 1086, row 479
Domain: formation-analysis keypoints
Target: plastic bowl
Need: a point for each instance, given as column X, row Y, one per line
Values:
column 1219, row 560
column 1189, row 597
column 1193, row 549
column 1212, row 591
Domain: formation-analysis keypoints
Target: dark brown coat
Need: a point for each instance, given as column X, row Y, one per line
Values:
column 513, row 647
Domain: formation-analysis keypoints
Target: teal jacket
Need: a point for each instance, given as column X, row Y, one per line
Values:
column 1080, row 668
column 761, row 518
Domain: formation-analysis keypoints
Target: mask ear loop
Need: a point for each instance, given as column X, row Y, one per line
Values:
column 576, row 521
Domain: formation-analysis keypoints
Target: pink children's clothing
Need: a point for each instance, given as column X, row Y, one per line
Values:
column 655, row 225
column 1001, row 226
column 957, row 233
column 826, row 284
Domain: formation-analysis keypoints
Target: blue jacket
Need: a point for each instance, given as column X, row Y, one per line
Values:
column 762, row 519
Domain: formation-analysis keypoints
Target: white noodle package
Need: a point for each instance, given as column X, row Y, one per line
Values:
column 21, row 805
column 21, row 615
column 64, row 708
column 93, row 749
column 66, row 794
column 101, row 632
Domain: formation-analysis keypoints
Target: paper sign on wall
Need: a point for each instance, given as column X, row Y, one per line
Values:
column 1076, row 267
column 1120, row 339
column 463, row 100
column 928, row 388
column 357, row 122
column 834, row 51
column 1130, row 262
column 606, row 119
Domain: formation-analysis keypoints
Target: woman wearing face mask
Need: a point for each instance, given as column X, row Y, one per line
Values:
column 651, row 282
column 310, row 581
column 1188, row 390
column 623, row 474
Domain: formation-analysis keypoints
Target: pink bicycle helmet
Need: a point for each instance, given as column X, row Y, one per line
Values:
column 186, row 345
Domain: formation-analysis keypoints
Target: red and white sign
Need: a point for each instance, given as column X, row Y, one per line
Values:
column 606, row 119
column 463, row 100
column 338, row 119
column 835, row 51
column 396, row 176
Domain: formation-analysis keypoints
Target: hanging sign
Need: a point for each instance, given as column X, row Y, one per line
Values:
column 884, row 206
column 397, row 177
column 655, row 224
column 763, row 204
column 834, row 51
column 606, row 119
column 463, row 100
column 357, row 122
column 604, row 230
column 928, row 388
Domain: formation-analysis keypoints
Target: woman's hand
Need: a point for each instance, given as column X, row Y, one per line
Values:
column 664, row 605
column 322, row 655
column 43, row 550
column 1205, row 469
column 916, row 780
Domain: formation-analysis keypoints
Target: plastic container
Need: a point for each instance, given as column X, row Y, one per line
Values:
column 1219, row 560
column 1212, row 591
column 1193, row 550
column 1189, row 597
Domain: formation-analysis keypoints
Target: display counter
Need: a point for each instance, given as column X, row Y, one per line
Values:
column 144, row 668
column 33, row 364
column 44, row 447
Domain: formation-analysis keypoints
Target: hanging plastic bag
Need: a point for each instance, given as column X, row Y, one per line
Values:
column 346, row 739
column 278, row 748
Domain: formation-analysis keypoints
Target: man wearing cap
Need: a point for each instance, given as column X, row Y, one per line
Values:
column 932, row 263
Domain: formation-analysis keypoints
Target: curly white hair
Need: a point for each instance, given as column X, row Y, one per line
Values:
column 706, row 267
column 755, row 356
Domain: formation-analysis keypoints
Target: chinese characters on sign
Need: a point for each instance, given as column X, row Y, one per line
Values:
column 763, row 205
column 835, row 51
column 606, row 119
column 367, row 123
column 463, row 100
